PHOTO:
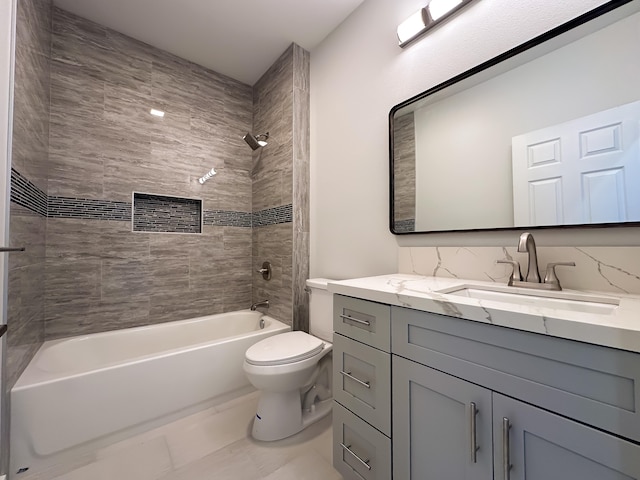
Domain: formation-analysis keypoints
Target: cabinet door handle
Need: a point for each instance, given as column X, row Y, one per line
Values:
column 357, row 320
column 363, row 462
column 506, row 453
column 473, row 412
column 348, row 375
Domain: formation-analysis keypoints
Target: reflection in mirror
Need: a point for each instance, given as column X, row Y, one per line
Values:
column 546, row 137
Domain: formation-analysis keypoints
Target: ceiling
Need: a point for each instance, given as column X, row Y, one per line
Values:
column 238, row 38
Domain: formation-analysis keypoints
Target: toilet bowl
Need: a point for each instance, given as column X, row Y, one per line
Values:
column 293, row 372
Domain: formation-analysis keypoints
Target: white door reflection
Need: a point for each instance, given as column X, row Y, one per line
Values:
column 581, row 171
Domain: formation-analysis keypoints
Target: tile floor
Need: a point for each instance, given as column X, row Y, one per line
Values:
column 212, row 444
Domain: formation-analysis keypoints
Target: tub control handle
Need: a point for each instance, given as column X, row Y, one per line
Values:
column 357, row 320
column 363, row 462
column 348, row 375
column 265, row 271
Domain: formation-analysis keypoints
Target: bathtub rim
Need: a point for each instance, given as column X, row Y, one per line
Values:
column 33, row 376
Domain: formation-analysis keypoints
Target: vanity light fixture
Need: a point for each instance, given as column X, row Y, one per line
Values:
column 207, row 176
column 426, row 18
column 157, row 113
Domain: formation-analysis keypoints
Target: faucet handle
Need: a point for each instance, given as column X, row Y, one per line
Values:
column 515, row 274
column 551, row 277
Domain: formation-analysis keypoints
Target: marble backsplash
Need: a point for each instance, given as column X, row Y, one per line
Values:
column 604, row 269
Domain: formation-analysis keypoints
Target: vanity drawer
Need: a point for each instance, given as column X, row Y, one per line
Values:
column 359, row 450
column 362, row 381
column 597, row 385
column 365, row 321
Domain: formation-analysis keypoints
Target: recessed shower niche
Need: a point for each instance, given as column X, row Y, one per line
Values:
column 160, row 213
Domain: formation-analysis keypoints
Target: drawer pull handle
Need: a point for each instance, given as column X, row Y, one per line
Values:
column 363, row 462
column 348, row 375
column 473, row 410
column 506, row 453
column 357, row 320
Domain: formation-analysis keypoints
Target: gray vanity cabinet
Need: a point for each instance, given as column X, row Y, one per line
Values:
column 445, row 368
column 441, row 425
column 361, row 389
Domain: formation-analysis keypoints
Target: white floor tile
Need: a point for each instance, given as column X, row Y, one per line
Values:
column 144, row 461
column 91, row 471
column 228, row 463
column 310, row 466
column 198, row 440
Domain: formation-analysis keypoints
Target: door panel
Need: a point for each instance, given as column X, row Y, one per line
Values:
column 585, row 168
column 432, row 434
column 545, row 446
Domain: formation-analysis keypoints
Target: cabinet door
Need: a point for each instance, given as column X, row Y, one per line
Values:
column 435, row 434
column 534, row 444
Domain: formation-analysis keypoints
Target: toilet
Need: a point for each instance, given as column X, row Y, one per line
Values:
column 293, row 372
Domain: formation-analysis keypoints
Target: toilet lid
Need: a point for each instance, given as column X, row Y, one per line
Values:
column 284, row 348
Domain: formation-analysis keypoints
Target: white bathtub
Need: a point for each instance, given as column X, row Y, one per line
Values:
column 80, row 389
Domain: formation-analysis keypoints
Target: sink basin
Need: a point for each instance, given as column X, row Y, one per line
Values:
column 568, row 301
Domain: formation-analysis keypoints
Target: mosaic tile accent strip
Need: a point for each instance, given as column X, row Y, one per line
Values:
column 403, row 226
column 273, row 216
column 223, row 218
column 27, row 194
column 66, row 207
column 157, row 213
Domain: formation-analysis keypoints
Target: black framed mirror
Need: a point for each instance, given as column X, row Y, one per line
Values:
column 544, row 135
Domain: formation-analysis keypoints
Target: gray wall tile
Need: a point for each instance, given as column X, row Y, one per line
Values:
column 30, row 149
column 105, row 145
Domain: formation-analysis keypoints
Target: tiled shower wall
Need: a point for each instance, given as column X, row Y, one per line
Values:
column 105, row 145
column 92, row 143
column 280, row 183
column 30, row 144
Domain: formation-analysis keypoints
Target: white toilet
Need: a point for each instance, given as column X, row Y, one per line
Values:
column 293, row 372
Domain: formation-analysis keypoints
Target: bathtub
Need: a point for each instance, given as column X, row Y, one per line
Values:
column 80, row 389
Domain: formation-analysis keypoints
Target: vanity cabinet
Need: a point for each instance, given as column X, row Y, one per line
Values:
column 448, row 428
column 362, row 389
column 462, row 404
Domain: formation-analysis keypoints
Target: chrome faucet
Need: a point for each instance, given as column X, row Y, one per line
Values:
column 528, row 245
column 264, row 303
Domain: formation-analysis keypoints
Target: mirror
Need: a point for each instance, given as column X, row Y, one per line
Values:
column 544, row 135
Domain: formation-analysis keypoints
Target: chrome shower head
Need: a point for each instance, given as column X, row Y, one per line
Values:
column 257, row 141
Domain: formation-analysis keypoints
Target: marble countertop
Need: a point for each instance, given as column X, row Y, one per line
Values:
column 618, row 329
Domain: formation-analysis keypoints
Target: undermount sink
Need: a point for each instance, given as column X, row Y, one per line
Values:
column 569, row 301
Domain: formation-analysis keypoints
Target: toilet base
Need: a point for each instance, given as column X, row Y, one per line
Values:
column 280, row 415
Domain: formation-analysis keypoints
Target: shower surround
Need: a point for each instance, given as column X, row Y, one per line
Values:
column 103, row 145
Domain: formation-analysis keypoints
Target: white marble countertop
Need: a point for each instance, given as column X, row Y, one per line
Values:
column 618, row 329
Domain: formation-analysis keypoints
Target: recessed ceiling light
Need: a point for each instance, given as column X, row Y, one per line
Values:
column 157, row 113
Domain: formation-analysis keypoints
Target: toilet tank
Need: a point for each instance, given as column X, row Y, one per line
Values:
column 320, row 309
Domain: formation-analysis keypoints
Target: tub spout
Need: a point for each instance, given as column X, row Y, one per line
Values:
column 264, row 303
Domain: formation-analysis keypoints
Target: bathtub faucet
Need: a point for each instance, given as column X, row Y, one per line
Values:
column 264, row 303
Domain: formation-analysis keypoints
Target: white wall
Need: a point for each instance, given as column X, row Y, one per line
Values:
column 357, row 74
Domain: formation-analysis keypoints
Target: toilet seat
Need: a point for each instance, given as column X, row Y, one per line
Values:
column 283, row 349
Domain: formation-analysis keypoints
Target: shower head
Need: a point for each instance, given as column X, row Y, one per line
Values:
column 257, row 141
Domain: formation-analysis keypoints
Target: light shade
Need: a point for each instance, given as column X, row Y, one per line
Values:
column 413, row 26
column 426, row 18
column 439, row 8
